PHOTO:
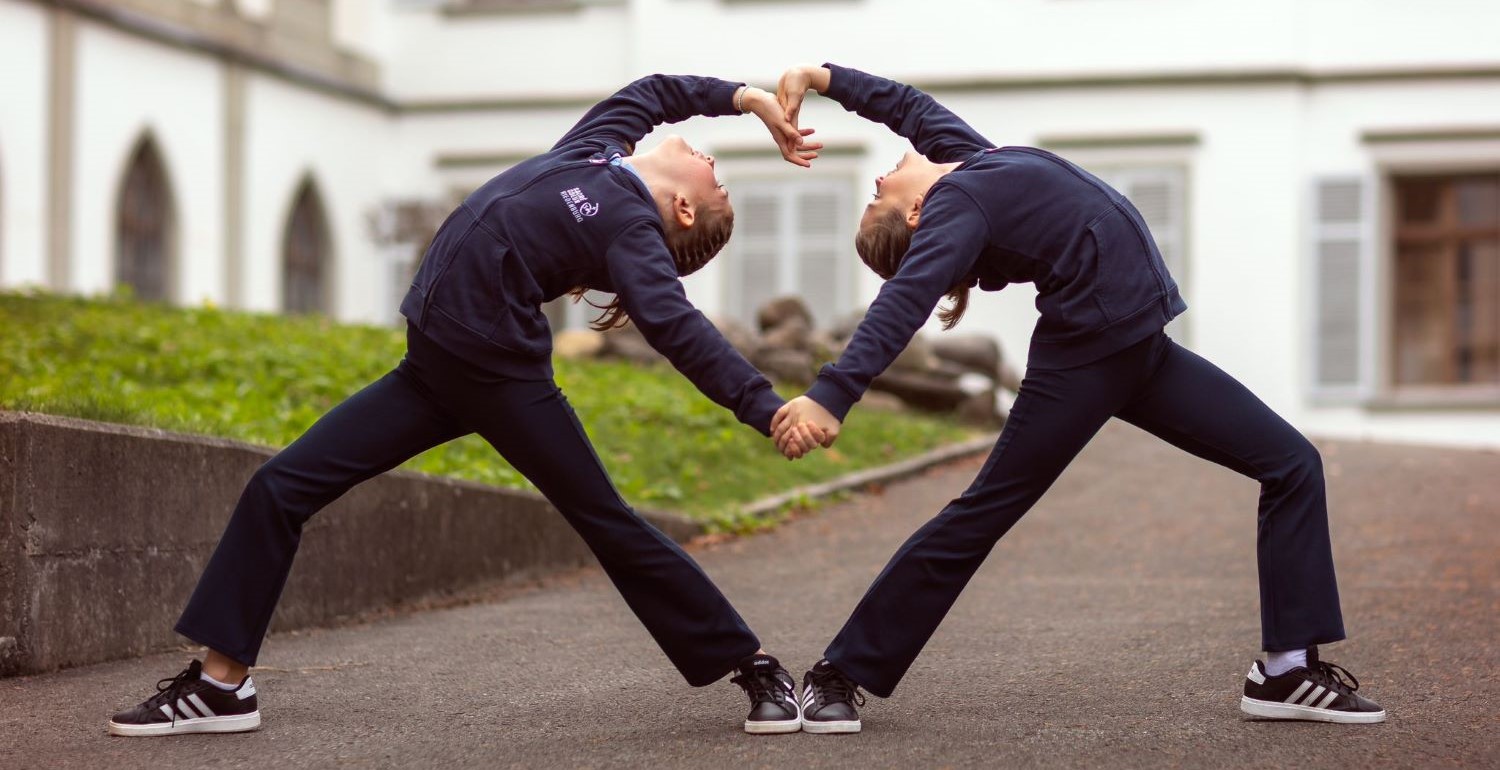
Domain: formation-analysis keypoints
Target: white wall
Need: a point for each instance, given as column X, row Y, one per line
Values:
column 127, row 86
column 536, row 54
column 362, row 27
column 971, row 37
column 23, row 144
column 290, row 133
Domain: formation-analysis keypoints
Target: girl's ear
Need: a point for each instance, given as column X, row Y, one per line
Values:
column 915, row 215
column 683, row 211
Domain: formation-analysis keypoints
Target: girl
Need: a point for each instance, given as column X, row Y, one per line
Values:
column 585, row 215
column 959, row 213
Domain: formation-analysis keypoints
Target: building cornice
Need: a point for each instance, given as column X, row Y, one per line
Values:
column 1000, row 83
column 1432, row 134
column 1211, row 77
column 216, row 32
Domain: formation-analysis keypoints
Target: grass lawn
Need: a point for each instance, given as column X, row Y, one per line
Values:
column 265, row 379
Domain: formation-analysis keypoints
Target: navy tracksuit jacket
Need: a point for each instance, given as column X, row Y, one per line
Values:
column 479, row 361
column 1015, row 215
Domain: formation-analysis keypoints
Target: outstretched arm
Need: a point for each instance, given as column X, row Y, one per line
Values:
column 633, row 111
column 943, row 252
column 641, row 269
column 933, row 129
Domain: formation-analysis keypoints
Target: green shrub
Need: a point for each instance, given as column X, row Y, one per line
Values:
column 265, row 379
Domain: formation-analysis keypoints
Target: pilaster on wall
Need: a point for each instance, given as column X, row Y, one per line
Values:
column 234, row 184
column 61, row 86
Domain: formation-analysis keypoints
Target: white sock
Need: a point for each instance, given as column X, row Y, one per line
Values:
column 1278, row 663
column 218, row 684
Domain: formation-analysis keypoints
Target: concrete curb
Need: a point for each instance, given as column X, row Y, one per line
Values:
column 882, row 475
column 105, row 527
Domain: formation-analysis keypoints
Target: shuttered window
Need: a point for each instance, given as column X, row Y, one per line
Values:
column 1340, row 291
column 758, row 226
column 792, row 238
column 143, row 228
column 305, row 256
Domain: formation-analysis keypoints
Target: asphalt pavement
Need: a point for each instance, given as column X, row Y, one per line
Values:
column 1111, row 628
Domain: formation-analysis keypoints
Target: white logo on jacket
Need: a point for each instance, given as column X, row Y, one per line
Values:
column 579, row 204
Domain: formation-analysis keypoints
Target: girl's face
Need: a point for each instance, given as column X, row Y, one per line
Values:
column 693, row 173
column 899, row 188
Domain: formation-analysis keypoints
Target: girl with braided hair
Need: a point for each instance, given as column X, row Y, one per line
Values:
column 585, row 215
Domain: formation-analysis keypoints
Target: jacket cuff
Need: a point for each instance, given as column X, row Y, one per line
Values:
column 831, row 396
column 838, row 82
column 759, row 407
column 721, row 99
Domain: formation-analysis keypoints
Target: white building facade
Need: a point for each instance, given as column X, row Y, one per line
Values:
column 1322, row 175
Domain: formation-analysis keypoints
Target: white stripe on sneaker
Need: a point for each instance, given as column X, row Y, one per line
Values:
column 246, row 690
column 1312, row 696
column 1299, row 692
column 1324, row 703
column 201, row 706
column 186, row 711
column 165, row 709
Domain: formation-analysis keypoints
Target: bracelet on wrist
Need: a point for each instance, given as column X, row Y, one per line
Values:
column 739, row 99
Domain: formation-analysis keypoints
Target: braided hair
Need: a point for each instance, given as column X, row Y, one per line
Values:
column 882, row 244
column 691, row 248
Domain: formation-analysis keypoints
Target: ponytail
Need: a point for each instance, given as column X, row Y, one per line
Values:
column 883, row 243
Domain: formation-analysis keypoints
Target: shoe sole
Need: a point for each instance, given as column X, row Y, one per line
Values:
column 830, row 728
column 1273, row 710
column 239, row 723
column 773, row 728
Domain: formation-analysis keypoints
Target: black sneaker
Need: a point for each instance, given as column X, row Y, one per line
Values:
column 1316, row 692
column 829, row 701
column 187, row 704
column 773, row 696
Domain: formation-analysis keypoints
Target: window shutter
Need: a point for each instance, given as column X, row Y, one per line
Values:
column 1339, row 293
column 818, row 224
column 756, row 229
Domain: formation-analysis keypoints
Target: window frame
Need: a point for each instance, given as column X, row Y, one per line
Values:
column 1458, row 393
column 1428, row 153
column 307, row 187
column 148, row 143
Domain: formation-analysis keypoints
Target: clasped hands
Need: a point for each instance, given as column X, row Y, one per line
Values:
column 802, row 425
column 781, row 111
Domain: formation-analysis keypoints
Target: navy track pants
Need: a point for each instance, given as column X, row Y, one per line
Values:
column 1166, row 390
column 429, row 399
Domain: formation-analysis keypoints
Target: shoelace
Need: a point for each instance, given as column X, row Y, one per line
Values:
column 1328, row 675
column 762, row 686
column 832, row 686
column 168, row 690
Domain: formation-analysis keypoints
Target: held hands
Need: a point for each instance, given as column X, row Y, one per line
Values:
column 794, row 85
column 802, row 425
column 791, row 140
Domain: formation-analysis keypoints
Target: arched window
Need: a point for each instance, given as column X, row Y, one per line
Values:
column 306, row 259
column 144, row 228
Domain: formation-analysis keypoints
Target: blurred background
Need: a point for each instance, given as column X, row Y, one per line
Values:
column 1323, row 176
